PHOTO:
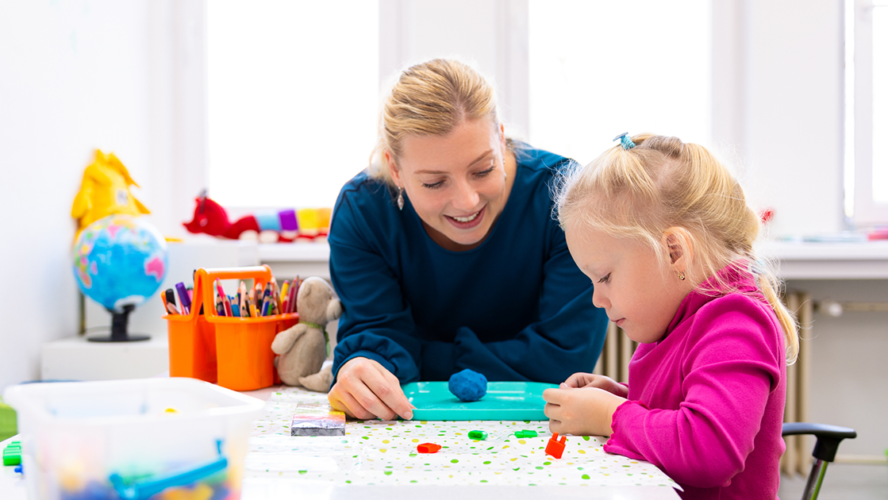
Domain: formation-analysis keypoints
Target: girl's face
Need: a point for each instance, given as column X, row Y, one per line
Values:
column 457, row 183
column 639, row 295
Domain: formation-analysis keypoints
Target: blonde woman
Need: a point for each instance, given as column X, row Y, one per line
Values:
column 446, row 256
column 664, row 231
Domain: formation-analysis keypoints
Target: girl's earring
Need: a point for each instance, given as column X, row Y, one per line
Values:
column 401, row 199
column 681, row 275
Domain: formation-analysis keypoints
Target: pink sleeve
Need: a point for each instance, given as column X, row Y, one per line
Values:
column 728, row 373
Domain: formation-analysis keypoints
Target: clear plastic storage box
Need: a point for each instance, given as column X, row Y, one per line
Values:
column 158, row 439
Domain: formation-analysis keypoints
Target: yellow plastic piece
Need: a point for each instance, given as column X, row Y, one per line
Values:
column 170, row 410
column 104, row 191
column 199, row 492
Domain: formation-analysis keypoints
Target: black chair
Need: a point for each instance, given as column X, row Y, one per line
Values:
column 828, row 439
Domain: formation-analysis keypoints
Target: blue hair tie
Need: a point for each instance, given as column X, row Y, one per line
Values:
column 625, row 141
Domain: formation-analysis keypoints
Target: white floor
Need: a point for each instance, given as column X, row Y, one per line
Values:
column 842, row 482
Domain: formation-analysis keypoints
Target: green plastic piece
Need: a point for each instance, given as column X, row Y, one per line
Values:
column 477, row 435
column 12, row 455
column 525, row 434
column 503, row 401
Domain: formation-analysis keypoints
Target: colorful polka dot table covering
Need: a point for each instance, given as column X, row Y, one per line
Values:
column 385, row 453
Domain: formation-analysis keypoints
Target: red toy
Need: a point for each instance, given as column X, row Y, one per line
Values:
column 210, row 218
column 428, row 448
column 556, row 447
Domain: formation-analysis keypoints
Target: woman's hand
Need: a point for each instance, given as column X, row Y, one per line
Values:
column 582, row 380
column 582, row 412
column 365, row 389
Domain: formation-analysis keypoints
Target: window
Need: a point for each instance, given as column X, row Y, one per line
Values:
column 866, row 112
column 293, row 90
column 601, row 68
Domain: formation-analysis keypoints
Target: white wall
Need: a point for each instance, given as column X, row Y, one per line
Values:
column 75, row 76
column 492, row 34
column 778, row 106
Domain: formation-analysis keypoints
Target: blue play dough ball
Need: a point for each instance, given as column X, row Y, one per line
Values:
column 468, row 385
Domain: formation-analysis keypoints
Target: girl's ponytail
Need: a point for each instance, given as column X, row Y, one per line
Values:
column 769, row 285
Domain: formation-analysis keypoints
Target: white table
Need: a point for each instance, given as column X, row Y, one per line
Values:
column 271, row 487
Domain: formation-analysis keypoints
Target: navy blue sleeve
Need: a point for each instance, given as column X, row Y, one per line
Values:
column 568, row 337
column 377, row 322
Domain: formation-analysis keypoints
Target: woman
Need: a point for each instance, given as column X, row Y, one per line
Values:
column 446, row 256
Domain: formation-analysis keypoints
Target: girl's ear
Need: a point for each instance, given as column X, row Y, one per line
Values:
column 393, row 169
column 680, row 246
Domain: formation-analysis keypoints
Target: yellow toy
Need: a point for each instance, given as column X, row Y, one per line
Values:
column 105, row 191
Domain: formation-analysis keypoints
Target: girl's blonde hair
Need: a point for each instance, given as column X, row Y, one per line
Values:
column 662, row 183
column 430, row 98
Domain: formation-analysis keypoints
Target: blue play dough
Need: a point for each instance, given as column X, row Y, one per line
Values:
column 468, row 385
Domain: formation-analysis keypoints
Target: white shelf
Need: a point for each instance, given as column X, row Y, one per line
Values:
column 865, row 260
column 831, row 261
column 293, row 252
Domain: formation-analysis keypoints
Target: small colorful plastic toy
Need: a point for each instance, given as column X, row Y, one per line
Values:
column 525, row 434
column 428, row 448
column 104, row 191
column 479, row 435
column 12, row 454
column 556, row 447
column 284, row 226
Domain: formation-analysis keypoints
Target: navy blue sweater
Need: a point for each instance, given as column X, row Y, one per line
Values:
column 514, row 308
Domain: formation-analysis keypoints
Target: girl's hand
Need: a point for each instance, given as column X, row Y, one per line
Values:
column 582, row 412
column 581, row 380
column 365, row 389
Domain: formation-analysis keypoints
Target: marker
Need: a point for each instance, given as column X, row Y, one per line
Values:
column 284, row 297
column 268, row 298
column 242, row 300
column 171, row 308
column 235, row 309
column 183, row 298
column 224, row 298
column 170, row 296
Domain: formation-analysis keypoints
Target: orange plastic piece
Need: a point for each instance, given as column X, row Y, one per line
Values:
column 233, row 352
column 556, row 447
column 428, row 448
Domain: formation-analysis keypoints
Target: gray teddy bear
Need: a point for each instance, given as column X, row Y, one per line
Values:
column 303, row 348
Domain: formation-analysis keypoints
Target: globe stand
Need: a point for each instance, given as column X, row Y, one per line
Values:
column 119, row 321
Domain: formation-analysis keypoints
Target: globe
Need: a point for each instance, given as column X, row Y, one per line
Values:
column 120, row 261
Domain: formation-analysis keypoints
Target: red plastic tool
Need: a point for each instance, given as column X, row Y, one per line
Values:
column 428, row 448
column 556, row 447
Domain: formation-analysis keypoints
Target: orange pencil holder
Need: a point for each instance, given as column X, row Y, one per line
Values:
column 233, row 352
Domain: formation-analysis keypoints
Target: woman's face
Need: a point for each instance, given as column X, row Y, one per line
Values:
column 457, row 183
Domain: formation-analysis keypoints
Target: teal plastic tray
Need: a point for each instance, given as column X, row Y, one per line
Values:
column 503, row 401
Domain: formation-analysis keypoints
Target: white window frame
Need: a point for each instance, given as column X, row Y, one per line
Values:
column 861, row 210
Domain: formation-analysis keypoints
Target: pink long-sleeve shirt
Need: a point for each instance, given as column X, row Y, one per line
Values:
column 706, row 401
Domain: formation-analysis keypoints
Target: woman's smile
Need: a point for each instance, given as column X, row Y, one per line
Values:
column 470, row 221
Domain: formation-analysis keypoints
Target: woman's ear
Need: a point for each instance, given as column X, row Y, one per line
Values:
column 680, row 246
column 393, row 169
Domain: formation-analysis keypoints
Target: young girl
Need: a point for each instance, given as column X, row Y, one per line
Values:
column 665, row 234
